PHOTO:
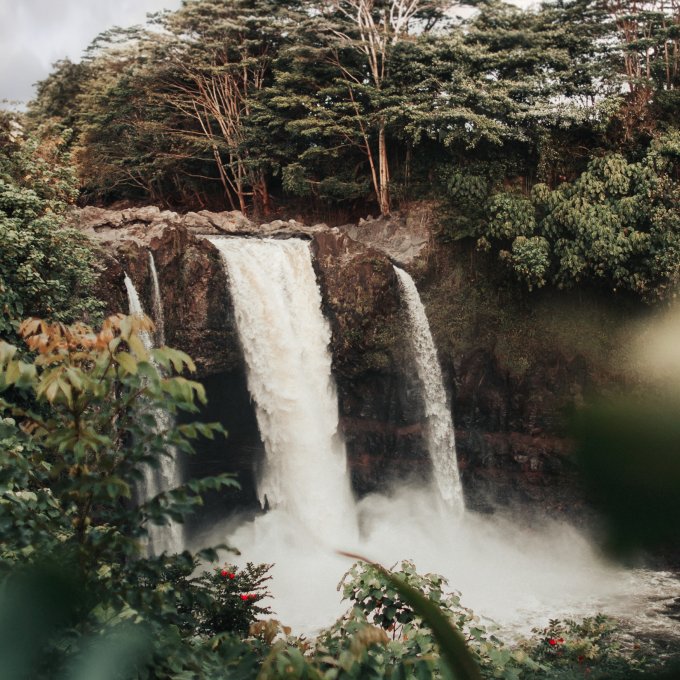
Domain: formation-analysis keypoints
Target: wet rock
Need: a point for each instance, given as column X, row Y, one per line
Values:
column 197, row 309
column 381, row 409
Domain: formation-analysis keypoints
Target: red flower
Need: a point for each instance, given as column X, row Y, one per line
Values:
column 244, row 597
column 252, row 597
column 224, row 572
column 560, row 640
column 552, row 642
column 231, row 576
column 580, row 659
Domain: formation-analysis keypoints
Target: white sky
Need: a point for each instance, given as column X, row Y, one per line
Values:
column 36, row 33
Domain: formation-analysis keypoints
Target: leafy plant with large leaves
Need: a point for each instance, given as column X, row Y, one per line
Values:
column 616, row 225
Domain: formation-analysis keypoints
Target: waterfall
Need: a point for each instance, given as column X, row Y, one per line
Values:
column 441, row 437
column 136, row 308
column 285, row 341
column 157, row 304
column 166, row 477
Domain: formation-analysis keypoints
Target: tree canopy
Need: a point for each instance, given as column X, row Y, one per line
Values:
column 370, row 104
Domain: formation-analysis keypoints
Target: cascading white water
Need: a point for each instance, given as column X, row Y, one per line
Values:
column 519, row 577
column 285, row 341
column 442, row 442
column 171, row 538
column 157, row 304
column 136, row 308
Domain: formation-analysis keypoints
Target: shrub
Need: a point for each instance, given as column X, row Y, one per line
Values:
column 45, row 268
column 617, row 224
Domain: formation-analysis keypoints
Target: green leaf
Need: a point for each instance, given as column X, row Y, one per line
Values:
column 127, row 361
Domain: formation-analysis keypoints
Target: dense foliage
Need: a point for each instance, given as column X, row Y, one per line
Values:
column 70, row 465
column 617, row 223
column 45, row 268
column 253, row 104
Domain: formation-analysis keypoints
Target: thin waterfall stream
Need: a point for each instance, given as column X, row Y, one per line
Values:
column 171, row 538
column 442, row 442
column 157, row 301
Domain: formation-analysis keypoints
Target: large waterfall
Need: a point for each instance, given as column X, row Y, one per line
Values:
column 442, row 441
column 171, row 538
column 504, row 573
column 285, row 341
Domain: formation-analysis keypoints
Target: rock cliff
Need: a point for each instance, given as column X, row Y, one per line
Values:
column 511, row 447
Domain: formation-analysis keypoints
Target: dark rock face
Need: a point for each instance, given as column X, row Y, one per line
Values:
column 512, row 447
column 511, row 442
column 381, row 409
column 197, row 309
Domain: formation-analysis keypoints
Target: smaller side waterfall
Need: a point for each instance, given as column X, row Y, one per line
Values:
column 136, row 308
column 170, row 539
column 442, row 441
column 157, row 304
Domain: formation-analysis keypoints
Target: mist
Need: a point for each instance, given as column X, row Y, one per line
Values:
column 516, row 576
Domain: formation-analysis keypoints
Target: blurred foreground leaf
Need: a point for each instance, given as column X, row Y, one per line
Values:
column 629, row 453
column 42, row 609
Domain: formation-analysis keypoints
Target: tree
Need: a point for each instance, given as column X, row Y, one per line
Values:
column 221, row 57
column 57, row 96
column 45, row 268
column 374, row 29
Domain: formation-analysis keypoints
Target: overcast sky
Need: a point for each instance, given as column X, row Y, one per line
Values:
column 36, row 33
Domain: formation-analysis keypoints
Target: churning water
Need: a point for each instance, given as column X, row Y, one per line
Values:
column 519, row 578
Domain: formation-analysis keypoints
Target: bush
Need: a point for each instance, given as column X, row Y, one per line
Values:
column 617, row 224
column 68, row 519
column 45, row 268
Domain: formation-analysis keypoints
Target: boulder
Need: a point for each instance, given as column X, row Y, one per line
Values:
column 230, row 222
column 146, row 214
column 400, row 236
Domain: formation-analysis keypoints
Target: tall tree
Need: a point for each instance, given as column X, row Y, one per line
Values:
column 374, row 28
column 218, row 60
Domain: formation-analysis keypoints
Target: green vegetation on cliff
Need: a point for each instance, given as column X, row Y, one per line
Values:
column 45, row 268
column 549, row 134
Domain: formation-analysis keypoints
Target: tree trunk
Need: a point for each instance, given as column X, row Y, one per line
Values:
column 239, row 189
column 223, row 176
column 409, row 161
column 264, row 194
column 383, row 197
